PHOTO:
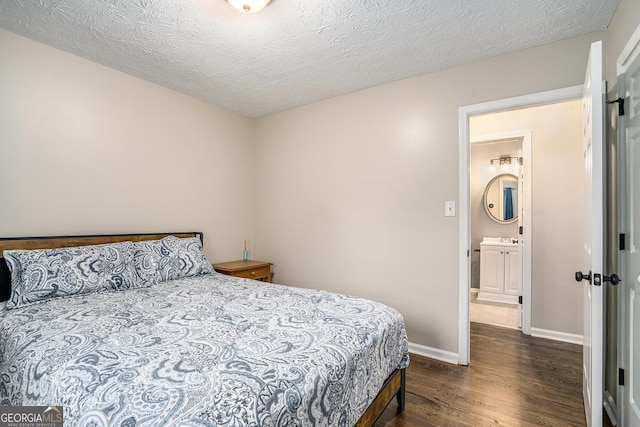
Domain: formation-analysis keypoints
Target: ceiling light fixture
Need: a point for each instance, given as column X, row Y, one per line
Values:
column 249, row 6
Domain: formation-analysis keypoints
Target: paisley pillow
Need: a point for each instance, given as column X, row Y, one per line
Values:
column 38, row 275
column 171, row 258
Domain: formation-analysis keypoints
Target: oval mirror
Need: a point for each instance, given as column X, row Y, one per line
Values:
column 501, row 198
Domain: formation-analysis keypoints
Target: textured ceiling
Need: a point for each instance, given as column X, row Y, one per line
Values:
column 295, row 51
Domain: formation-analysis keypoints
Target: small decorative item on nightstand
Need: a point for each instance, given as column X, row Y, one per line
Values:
column 245, row 254
column 257, row 270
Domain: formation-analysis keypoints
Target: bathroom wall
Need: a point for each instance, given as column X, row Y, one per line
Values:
column 481, row 223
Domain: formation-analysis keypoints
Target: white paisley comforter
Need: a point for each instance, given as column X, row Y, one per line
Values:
column 203, row 351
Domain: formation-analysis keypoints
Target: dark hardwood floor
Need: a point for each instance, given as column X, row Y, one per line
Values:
column 513, row 380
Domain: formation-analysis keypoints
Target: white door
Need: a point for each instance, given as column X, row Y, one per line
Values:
column 629, row 73
column 592, row 105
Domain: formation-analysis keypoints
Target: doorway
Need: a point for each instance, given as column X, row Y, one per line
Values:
column 474, row 120
column 498, row 200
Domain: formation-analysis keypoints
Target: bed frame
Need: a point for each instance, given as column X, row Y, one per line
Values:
column 393, row 386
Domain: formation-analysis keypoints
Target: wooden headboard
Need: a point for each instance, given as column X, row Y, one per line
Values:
column 51, row 242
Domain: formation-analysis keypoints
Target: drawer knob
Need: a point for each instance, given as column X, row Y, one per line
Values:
column 253, row 273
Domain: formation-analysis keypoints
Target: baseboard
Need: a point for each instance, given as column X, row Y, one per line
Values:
column 558, row 336
column 500, row 298
column 433, row 353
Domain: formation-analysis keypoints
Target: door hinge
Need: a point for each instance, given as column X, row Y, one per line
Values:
column 519, row 299
column 621, row 242
column 521, row 230
column 467, row 253
column 620, row 102
column 620, row 376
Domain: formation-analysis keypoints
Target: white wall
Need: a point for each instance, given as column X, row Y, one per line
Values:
column 85, row 149
column 557, row 185
column 350, row 191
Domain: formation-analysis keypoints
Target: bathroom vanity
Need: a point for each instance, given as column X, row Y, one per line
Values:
column 499, row 270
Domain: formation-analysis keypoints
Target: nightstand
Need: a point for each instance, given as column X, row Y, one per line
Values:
column 257, row 270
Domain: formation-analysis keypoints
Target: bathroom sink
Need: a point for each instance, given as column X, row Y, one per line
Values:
column 502, row 241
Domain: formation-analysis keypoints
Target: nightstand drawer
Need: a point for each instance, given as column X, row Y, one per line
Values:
column 260, row 273
column 257, row 270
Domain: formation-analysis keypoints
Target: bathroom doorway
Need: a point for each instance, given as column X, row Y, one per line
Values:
column 554, row 221
column 497, row 209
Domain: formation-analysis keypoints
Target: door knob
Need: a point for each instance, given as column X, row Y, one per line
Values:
column 580, row 276
column 614, row 279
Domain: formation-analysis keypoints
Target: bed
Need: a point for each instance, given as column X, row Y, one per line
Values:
column 168, row 341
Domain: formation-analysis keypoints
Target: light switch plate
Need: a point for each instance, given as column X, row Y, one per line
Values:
column 449, row 208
